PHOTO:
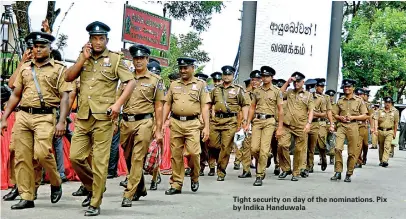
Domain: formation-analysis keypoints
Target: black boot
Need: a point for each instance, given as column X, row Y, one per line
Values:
column 124, row 183
column 347, row 178
column 245, row 174
column 258, row 181
column 158, row 180
column 126, row 202
column 311, row 170
column 285, row 174
column 236, row 166
column 201, row 173
column 211, row 172
column 304, row 173
column 56, row 193
column 277, row 170
column 331, row 160
column 294, row 178
column 12, row 194
column 140, row 194
column 323, row 165
column 219, row 178
column 172, row 191
column 154, row 185
column 385, row 164
column 358, row 165
column 337, row 176
column 23, row 204
column 81, row 191
column 269, row 161
column 86, row 202
column 194, row 186
column 188, row 171
column 92, row 211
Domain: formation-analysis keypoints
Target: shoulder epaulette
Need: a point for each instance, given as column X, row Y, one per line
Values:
column 118, row 53
column 241, row 87
column 276, row 87
column 155, row 76
column 60, row 63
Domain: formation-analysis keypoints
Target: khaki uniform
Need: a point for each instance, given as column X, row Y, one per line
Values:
column 186, row 100
column 136, row 136
column 98, row 84
column 374, row 137
column 295, row 119
column 213, row 150
column 386, row 123
column 266, row 101
column 348, row 107
column 223, row 129
column 363, row 136
column 33, row 133
column 275, row 142
column 330, row 135
column 246, row 144
column 317, row 134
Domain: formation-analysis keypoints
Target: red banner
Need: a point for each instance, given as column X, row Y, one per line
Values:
column 162, row 61
column 142, row 27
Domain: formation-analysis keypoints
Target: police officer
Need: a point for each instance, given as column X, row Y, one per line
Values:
column 227, row 100
column 139, row 119
column 374, row 137
column 349, row 110
column 266, row 103
column 246, row 158
column 154, row 67
column 386, row 126
column 330, row 135
column 217, row 78
column 297, row 121
column 364, row 129
column 39, row 88
column 317, row 134
column 187, row 98
column 99, row 70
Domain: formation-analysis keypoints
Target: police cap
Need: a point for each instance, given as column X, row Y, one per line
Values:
column 388, row 100
column 348, row 82
column 310, row 82
column 201, row 76
column 139, row 51
column 154, row 67
column 97, row 28
column 267, row 71
column 40, row 37
column 228, row 70
column 154, row 60
column 186, row 61
column 280, row 83
column 321, row 82
column 255, row 74
column 331, row 93
column 216, row 75
column 174, row 76
column 359, row 91
column 299, row 76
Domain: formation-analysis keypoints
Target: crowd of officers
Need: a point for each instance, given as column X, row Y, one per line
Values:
column 202, row 121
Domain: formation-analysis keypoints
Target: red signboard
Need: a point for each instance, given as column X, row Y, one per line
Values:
column 142, row 27
column 162, row 61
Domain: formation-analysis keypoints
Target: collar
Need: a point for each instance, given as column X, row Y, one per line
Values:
column 50, row 61
column 193, row 80
column 266, row 89
column 147, row 74
column 231, row 85
column 104, row 54
column 353, row 97
column 299, row 91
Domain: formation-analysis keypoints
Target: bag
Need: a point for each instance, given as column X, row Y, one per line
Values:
column 239, row 138
column 153, row 159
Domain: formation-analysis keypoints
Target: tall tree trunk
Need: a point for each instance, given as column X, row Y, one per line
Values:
column 52, row 14
column 23, row 21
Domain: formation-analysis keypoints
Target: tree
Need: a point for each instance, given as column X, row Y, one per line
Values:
column 199, row 11
column 181, row 46
column 374, row 49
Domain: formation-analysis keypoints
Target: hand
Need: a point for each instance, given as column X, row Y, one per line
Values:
column 115, row 129
column 394, row 135
column 331, row 129
column 246, row 127
column 45, row 26
column 307, row 128
column 291, row 79
column 375, row 132
column 115, row 110
column 26, row 56
column 205, row 134
column 238, row 129
column 159, row 138
column 349, row 118
column 87, row 50
column 342, row 118
column 60, row 129
column 279, row 133
column 4, row 125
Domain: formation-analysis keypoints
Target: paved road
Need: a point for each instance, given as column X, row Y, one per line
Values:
column 216, row 199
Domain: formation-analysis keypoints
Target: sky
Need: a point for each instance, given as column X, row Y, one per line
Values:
column 220, row 40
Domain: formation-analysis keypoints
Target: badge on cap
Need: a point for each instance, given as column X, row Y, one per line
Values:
column 97, row 28
column 182, row 61
column 38, row 36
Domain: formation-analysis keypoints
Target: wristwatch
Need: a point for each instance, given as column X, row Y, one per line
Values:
column 308, row 122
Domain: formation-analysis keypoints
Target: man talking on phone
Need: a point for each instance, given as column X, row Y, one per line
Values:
column 99, row 70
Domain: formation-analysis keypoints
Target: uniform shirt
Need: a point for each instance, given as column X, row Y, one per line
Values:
column 234, row 96
column 148, row 89
column 387, row 119
column 188, row 99
column 354, row 106
column 329, row 106
column 98, row 83
column 266, row 100
column 51, row 81
column 299, row 103
column 320, row 103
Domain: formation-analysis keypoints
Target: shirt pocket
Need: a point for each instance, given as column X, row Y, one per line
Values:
column 107, row 74
column 52, row 81
column 355, row 108
column 194, row 95
column 87, row 73
column 27, row 77
column 176, row 94
column 148, row 92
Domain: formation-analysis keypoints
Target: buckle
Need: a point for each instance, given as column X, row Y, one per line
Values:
column 182, row 118
column 221, row 116
column 30, row 110
column 262, row 116
column 131, row 118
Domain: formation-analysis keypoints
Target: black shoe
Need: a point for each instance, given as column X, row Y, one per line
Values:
column 36, row 194
column 194, row 186
column 23, row 204
column 219, row 178
column 158, row 180
column 172, row 191
column 92, row 211
column 111, row 176
column 201, row 173
column 126, row 202
column 347, row 178
column 236, row 166
column 86, row 202
column 385, row 164
column 258, row 181
column 311, row 170
column 13, row 194
column 188, row 171
column 245, row 174
column 294, row 178
column 269, row 161
column 277, row 171
column 331, row 161
column 285, row 174
column 56, row 193
column 364, row 162
column 358, row 165
column 154, row 185
column 252, row 166
column 337, row 176
column 81, row 191
column 139, row 194
column 211, row 172
column 64, row 179
column 124, row 183
column 323, row 165
column 304, row 173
